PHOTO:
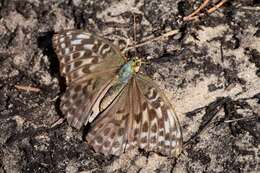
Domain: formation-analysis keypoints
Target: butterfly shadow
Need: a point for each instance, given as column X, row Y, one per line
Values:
column 44, row 42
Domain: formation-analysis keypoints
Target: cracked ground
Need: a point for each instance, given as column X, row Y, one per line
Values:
column 210, row 71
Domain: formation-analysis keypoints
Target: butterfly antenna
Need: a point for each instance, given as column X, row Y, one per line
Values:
column 162, row 37
column 194, row 15
column 134, row 31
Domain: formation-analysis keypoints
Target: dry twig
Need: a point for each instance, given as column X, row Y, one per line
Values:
column 27, row 88
column 195, row 15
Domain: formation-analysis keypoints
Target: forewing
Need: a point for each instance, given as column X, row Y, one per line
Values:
column 83, row 55
column 154, row 124
column 89, row 63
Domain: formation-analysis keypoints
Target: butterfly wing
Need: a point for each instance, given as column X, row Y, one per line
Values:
column 89, row 63
column 141, row 117
column 154, row 123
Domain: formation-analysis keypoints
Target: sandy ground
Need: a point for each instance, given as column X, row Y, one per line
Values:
column 210, row 70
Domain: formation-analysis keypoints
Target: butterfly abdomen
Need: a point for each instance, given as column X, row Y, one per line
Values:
column 125, row 74
column 110, row 95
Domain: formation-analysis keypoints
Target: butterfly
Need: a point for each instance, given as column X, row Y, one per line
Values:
column 125, row 108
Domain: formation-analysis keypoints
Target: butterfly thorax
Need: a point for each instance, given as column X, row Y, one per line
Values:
column 127, row 70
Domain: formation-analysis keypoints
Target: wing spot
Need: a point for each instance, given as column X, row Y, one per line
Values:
column 105, row 49
column 76, row 55
column 156, row 103
column 77, row 88
column 95, row 60
column 165, row 111
column 116, row 144
column 86, row 70
column 153, row 139
column 167, row 136
column 77, row 64
column 63, row 45
column 83, row 36
column 138, row 118
column 152, row 114
column 113, row 134
column 136, row 132
column 88, row 53
column 61, row 39
column 154, row 128
column 178, row 134
column 144, row 140
column 88, row 46
column 173, row 143
column 96, row 45
column 68, row 68
column 161, row 133
column 145, row 127
column 99, row 139
column 106, row 131
column 76, row 42
column 144, row 106
column 107, row 144
column 74, row 96
column 66, row 51
column 161, row 123
column 78, row 102
column 121, row 131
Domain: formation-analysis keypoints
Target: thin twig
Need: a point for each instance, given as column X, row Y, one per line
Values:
column 170, row 33
column 27, row 88
column 134, row 32
column 191, row 16
column 240, row 119
column 211, row 10
column 58, row 122
column 134, row 29
column 250, row 8
column 195, row 14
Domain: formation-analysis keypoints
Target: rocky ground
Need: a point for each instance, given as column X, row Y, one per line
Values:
column 210, row 71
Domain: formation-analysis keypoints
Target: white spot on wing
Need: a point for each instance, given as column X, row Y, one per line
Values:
column 170, row 117
column 173, row 143
column 167, row 143
column 81, row 53
column 62, row 39
column 104, row 51
column 159, row 113
column 88, row 46
column 160, row 138
column 84, row 36
column 67, row 51
column 63, row 45
column 142, row 145
column 178, row 134
column 167, row 126
column 150, row 94
column 143, row 134
column 76, row 42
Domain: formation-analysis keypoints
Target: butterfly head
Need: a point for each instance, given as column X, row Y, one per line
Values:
column 136, row 64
